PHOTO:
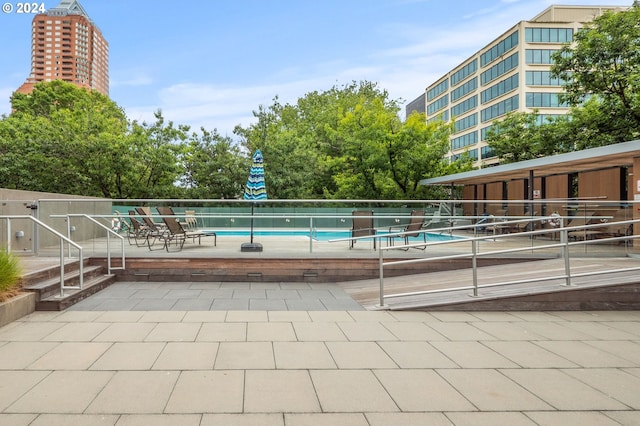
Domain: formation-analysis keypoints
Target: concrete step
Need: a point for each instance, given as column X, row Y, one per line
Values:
column 49, row 286
column 45, row 283
column 90, row 286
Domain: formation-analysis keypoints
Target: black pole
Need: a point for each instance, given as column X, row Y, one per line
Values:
column 251, row 246
column 252, row 205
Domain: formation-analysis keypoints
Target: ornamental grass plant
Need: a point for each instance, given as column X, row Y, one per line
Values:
column 9, row 275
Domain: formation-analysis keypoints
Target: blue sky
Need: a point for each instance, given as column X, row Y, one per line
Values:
column 212, row 62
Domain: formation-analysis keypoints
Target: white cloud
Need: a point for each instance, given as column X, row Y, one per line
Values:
column 133, row 79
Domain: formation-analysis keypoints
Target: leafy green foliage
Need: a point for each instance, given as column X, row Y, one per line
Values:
column 346, row 142
column 604, row 62
column 9, row 274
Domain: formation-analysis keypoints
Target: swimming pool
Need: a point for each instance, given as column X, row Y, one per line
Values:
column 318, row 235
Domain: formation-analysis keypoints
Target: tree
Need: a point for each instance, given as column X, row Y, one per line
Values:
column 346, row 142
column 604, row 62
column 156, row 149
column 214, row 167
column 55, row 136
column 65, row 139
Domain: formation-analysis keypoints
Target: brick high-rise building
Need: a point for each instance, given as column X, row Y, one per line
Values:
column 66, row 45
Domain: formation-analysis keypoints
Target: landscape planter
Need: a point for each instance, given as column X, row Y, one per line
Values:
column 17, row 307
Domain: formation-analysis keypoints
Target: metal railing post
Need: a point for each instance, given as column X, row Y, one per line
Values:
column 8, row 234
column 61, row 268
column 564, row 240
column 311, row 235
column 474, row 266
column 381, row 273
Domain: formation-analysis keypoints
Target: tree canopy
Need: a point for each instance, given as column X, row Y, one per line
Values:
column 346, row 142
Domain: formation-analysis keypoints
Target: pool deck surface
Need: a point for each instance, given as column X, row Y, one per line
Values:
column 320, row 368
column 149, row 365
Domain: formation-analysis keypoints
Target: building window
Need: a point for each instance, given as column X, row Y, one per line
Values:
column 499, row 88
column 539, row 56
column 464, row 140
column 442, row 117
column 464, row 72
column 499, row 69
column 500, row 108
column 438, row 104
column 544, row 100
column 437, row 90
column 472, row 153
column 464, row 106
column 465, row 88
column 484, row 131
column 547, row 118
column 499, row 49
column 487, row 152
column 549, row 35
column 542, row 78
column 466, row 122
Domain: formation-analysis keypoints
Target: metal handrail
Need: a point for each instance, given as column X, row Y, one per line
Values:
column 564, row 244
column 63, row 240
column 109, row 232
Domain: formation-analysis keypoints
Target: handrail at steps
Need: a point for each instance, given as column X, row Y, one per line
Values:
column 109, row 232
column 563, row 245
column 63, row 240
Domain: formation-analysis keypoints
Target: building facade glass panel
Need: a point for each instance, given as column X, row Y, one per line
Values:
column 542, row 78
column 500, row 108
column 499, row 69
column 466, row 122
column 464, row 72
column 499, row 49
column 464, row 140
column 438, row 104
column 442, row 117
column 462, row 90
column 464, row 106
column 544, row 100
column 500, row 88
column 436, row 91
column 472, row 153
column 539, row 56
column 549, row 35
column 487, row 152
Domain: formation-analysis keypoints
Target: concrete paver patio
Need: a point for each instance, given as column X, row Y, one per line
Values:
column 298, row 367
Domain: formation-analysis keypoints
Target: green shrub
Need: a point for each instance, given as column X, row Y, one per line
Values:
column 9, row 275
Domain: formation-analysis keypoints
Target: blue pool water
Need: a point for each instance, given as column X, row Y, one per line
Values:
column 317, row 235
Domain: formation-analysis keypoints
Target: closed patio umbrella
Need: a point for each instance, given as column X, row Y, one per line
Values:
column 255, row 190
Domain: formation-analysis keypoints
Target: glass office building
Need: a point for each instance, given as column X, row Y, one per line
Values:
column 512, row 73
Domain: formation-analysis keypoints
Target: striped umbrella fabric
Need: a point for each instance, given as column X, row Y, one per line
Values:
column 256, row 188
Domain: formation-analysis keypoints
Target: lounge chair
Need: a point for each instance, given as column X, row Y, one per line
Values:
column 524, row 226
column 190, row 220
column 412, row 229
column 139, row 233
column 362, row 226
column 176, row 234
column 145, row 214
column 581, row 219
column 498, row 223
column 615, row 229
